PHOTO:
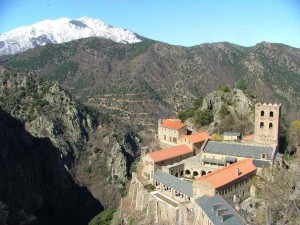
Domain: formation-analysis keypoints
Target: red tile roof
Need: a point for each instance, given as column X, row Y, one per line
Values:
column 175, row 124
column 197, row 137
column 169, row 153
column 229, row 173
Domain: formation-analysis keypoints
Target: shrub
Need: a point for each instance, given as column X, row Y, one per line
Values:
column 134, row 165
column 190, row 112
column 150, row 187
column 88, row 169
column 216, row 137
column 198, row 102
column 224, row 88
column 104, row 218
column 184, row 115
column 241, row 84
column 224, row 111
column 204, row 117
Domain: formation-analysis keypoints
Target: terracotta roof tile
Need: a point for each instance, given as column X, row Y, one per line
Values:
column 197, row 137
column 228, row 174
column 175, row 124
column 169, row 153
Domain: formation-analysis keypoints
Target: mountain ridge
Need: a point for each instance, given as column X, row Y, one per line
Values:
column 60, row 31
column 158, row 79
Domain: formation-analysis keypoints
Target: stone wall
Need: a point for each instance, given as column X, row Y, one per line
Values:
column 201, row 187
column 166, row 214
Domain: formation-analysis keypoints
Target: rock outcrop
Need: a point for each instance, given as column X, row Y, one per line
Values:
column 233, row 103
column 236, row 100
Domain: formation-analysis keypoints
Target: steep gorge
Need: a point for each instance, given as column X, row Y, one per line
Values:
column 96, row 150
column 35, row 187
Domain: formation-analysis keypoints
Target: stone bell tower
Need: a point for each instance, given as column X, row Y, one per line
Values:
column 267, row 124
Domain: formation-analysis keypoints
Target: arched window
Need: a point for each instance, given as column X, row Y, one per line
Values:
column 271, row 114
column 262, row 113
column 195, row 173
column 270, row 125
column 203, row 173
column 187, row 172
column 261, row 124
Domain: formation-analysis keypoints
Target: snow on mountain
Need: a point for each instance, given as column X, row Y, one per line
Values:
column 59, row 31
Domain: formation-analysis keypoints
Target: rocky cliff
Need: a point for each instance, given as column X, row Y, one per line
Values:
column 105, row 165
column 35, row 187
column 96, row 149
column 47, row 110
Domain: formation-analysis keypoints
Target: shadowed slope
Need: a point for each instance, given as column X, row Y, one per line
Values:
column 35, row 188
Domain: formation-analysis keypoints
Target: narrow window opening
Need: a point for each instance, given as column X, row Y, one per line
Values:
column 270, row 125
column 262, row 113
column 271, row 114
column 261, row 124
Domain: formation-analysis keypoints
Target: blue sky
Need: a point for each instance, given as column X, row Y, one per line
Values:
column 184, row 22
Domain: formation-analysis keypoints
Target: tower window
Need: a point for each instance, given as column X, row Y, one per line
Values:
column 261, row 124
column 262, row 113
column 271, row 114
column 270, row 125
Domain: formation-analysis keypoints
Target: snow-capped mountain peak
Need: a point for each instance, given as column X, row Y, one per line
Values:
column 59, row 31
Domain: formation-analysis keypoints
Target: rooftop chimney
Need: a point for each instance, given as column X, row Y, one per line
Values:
column 238, row 172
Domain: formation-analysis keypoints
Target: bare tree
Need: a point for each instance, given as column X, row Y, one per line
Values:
column 278, row 203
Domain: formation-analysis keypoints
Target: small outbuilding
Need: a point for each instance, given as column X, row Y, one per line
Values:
column 232, row 136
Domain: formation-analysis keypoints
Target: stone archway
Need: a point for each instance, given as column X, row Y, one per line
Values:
column 209, row 172
column 181, row 173
column 187, row 172
column 176, row 174
column 195, row 173
column 203, row 173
